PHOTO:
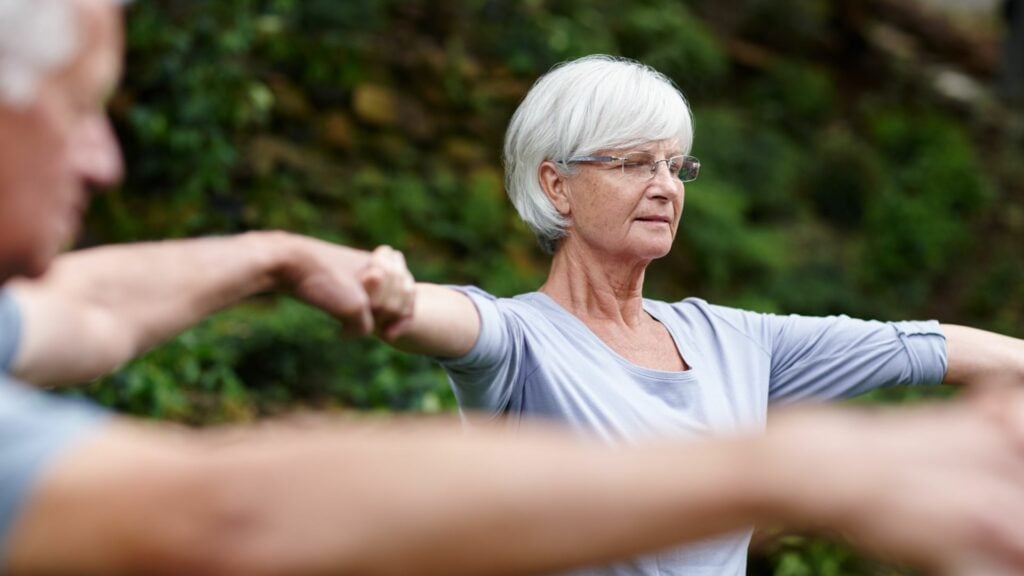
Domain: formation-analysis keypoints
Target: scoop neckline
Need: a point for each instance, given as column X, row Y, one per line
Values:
column 579, row 324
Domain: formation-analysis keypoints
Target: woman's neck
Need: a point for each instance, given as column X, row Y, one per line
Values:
column 596, row 287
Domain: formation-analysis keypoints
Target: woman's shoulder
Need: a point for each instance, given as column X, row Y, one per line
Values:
column 694, row 305
column 523, row 305
column 701, row 315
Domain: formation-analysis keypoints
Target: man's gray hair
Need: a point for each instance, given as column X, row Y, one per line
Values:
column 37, row 37
column 578, row 108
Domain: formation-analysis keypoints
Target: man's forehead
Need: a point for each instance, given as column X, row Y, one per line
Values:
column 44, row 39
column 36, row 38
column 98, row 60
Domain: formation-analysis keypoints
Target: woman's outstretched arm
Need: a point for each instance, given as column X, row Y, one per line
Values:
column 980, row 357
column 444, row 322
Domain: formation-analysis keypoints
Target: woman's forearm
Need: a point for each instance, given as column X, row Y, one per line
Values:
column 445, row 323
column 980, row 357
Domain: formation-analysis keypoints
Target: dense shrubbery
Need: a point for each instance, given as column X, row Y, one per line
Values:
column 380, row 121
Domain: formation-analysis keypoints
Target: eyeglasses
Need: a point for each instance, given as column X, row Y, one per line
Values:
column 641, row 166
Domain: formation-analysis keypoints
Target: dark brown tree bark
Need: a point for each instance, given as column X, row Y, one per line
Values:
column 1013, row 52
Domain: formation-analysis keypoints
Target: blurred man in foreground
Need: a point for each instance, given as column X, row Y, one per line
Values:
column 85, row 492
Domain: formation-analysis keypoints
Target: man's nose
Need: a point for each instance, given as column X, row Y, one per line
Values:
column 97, row 155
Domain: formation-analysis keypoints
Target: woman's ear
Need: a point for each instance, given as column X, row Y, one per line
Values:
column 555, row 187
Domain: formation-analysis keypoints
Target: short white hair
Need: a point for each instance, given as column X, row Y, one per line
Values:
column 578, row 108
column 37, row 37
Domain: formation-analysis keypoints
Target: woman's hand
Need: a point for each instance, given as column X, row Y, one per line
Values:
column 392, row 292
column 367, row 292
column 375, row 292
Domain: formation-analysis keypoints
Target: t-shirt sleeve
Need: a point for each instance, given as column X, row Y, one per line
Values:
column 487, row 376
column 10, row 330
column 35, row 429
column 823, row 358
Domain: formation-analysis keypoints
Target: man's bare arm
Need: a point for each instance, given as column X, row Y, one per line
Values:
column 412, row 498
column 98, row 308
column 426, row 499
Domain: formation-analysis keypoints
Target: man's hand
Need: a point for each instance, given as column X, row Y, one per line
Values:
column 364, row 291
column 941, row 486
column 329, row 277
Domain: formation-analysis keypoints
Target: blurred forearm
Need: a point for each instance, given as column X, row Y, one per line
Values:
column 414, row 498
column 434, row 501
column 98, row 308
column 420, row 498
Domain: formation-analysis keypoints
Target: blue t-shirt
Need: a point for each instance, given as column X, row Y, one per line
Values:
column 35, row 427
column 534, row 358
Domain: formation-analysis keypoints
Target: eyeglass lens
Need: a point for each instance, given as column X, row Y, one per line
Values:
column 644, row 166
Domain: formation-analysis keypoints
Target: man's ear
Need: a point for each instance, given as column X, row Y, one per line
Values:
column 555, row 187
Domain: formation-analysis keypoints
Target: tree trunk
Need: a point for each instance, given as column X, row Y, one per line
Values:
column 1013, row 52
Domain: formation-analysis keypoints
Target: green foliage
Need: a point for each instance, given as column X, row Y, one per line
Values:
column 794, row 95
column 728, row 250
column 920, row 221
column 767, row 174
column 267, row 359
column 666, row 35
column 381, row 121
column 801, row 556
column 845, row 173
column 791, row 25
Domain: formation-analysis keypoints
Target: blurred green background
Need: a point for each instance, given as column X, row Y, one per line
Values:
column 854, row 160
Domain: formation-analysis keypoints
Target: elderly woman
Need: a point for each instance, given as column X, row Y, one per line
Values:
column 597, row 160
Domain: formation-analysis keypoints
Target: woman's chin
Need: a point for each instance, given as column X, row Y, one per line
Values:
column 650, row 251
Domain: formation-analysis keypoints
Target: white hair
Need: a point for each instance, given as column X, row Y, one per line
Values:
column 37, row 37
column 578, row 108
